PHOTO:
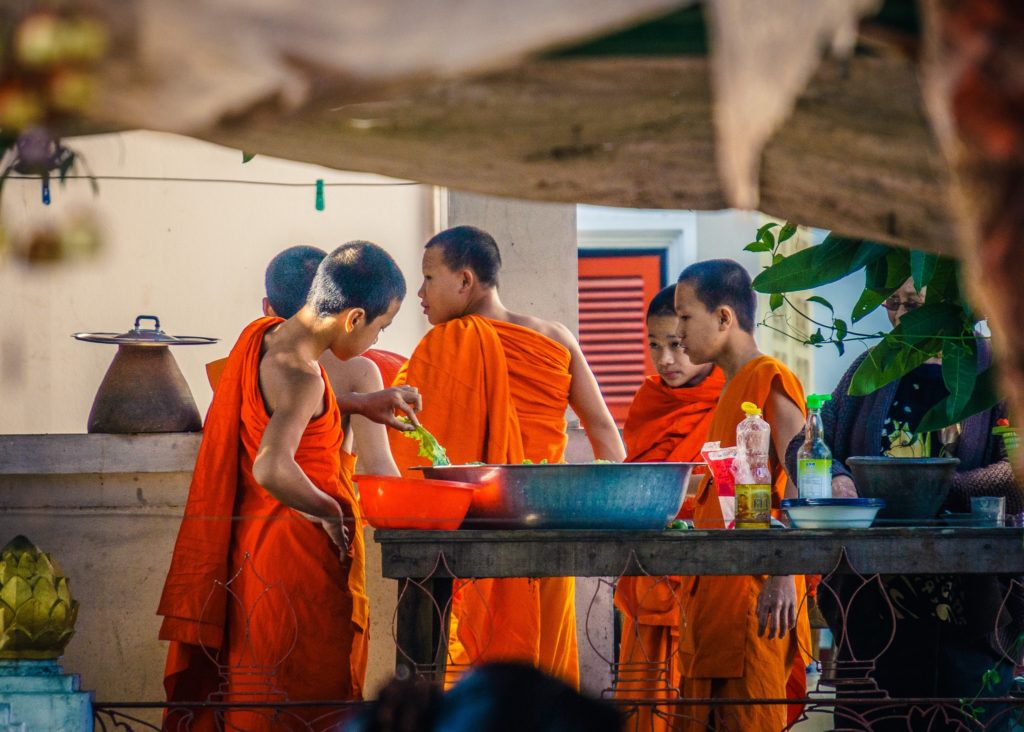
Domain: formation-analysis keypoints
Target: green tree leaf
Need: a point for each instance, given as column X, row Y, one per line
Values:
column 888, row 361
column 247, row 156
column 816, row 338
column 867, row 303
column 765, row 227
column 768, row 239
column 758, row 246
column 787, row 232
column 821, row 301
column 776, row 300
column 922, row 268
column 840, row 325
column 944, row 285
column 959, row 372
column 983, row 396
column 827, row 262
column 840, row 346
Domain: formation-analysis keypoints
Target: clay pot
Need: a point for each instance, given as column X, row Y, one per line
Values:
column 144, row 390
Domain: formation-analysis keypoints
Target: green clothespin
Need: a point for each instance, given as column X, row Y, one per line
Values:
column 319, row 194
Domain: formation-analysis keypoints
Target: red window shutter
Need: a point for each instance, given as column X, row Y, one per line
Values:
column 613, row 294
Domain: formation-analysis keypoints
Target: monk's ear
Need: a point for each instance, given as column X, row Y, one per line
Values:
column 268, row 309
column 726, row 317
column 467, row 278
column 353, row 318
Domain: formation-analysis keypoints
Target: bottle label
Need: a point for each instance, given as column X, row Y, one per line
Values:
column 753, row 506
column 814, row 478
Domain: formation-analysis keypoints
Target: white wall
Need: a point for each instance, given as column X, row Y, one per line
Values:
column 192, row 253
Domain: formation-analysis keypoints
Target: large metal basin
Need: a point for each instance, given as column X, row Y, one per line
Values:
column 586, row 496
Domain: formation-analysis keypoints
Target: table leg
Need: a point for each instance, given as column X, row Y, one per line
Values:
column 422, row 631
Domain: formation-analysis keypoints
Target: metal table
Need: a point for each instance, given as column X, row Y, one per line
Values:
column 428, row 561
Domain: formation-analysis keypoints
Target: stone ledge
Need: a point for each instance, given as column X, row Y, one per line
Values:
column 75, row 454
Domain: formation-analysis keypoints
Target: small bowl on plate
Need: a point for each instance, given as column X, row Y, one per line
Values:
column 832, row 513
column 391, row 502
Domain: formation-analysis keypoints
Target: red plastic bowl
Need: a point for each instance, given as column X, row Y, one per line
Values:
column 413, row 503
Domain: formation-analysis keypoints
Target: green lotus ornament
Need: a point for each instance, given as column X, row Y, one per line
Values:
column 37, row 614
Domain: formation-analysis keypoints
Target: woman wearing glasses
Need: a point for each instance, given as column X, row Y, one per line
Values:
column 945, row 637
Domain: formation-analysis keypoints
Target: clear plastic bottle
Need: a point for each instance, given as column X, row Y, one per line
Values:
column 751, row 470
column 814, row 459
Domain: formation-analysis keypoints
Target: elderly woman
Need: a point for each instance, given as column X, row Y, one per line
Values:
column 950, row 629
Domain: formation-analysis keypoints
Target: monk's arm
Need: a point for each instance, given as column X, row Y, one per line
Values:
column 777, row 603
column 586, row 400
column 786, row 420
column 371, row 438
column 297, row 399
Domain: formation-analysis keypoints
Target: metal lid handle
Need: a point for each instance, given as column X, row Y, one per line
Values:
column 155, row 320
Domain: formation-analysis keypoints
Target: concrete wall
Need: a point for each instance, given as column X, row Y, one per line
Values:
column 538, row 251
column 108, row 508
column 192, row 253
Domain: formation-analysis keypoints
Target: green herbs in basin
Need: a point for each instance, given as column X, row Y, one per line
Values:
column 430, row 448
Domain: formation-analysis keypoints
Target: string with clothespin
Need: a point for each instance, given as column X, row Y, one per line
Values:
column 319, row 185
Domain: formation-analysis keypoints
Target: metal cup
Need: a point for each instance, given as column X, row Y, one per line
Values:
column 988, row 510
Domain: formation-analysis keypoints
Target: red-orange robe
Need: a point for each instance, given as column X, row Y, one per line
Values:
column 664, row 424
column 388, row 362
column 723, row 656
column 292, row 621
column 496, row 392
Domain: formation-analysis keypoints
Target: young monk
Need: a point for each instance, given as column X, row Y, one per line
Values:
column 739, row 636
column 269, row 513
column 495, row 388
column 667, row 422
column 287, row 280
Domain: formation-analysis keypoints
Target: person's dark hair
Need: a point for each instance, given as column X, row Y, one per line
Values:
column 289, row 276
column 718, row 282
column 467, row 247
column 356, row 275
column 664, row 303
column 508, row 697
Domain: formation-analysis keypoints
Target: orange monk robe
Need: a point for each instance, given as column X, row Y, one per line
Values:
column 664, row 424
column 496, row 392
column 293, row 620
column 723, row 656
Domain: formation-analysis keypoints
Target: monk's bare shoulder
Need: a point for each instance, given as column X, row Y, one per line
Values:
column 288, row 380
column 359, row 374
column 550, row 328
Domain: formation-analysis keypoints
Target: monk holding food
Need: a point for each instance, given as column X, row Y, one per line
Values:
column 262, row 600
column 667, row 422
column 495, row 387
column 739, row 636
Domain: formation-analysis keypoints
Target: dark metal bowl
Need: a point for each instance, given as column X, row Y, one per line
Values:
column 567, row 496
column 913, row 488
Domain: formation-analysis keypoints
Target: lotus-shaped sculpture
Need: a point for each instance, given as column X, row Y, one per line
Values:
column 37, row 614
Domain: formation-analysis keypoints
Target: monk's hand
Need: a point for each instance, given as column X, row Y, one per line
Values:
column 843, row 487
column 385, row 405
column 776, row 607
column 336, row 530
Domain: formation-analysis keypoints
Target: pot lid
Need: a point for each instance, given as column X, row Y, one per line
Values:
column 139, row 336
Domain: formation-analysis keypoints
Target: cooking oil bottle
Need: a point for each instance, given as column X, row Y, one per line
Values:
column 814, row 459
column 753, row 475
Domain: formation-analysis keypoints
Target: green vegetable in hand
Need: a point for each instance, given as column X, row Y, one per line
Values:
column 678, row 525
column 430, row 448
